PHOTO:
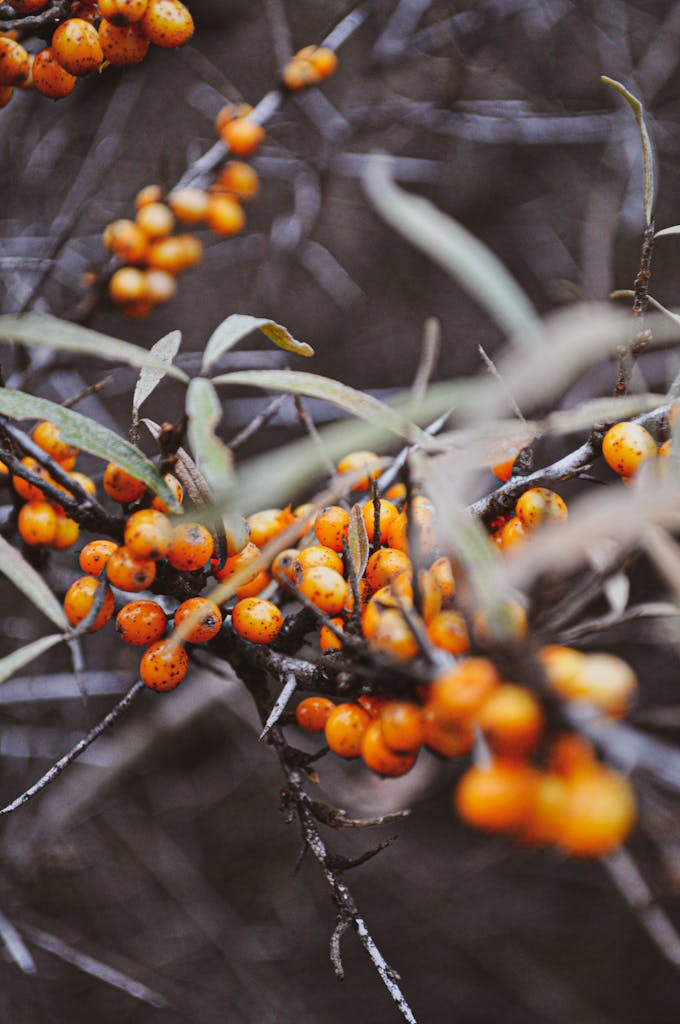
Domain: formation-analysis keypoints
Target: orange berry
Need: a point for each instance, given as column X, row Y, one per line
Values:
column 191, row 547
column 512, row 720
column 571, row 754
column 540, row 505
column 127, row 240
column 373, row 703
column 49, row 77
column 324, row 587
column 121, row 485
column 442, row 574
column 95, row 555
column 225, row 214
column 236, row 562
column 240, row 179
column 298, row 74
column 163, row 666
column 356, row 461
column 328, row 640
column 265, row 525
column 147, row 195
column 496, row 798
column 345, row 728
column 156, row 220
column 503, row 470
column 208, row 625
column 448, row 631
column 148, row 534
column 514, row 532
column 317, row 554
column 282, row 566
column 598, row 813
column 28, row 6
column 255, row 586
column 128, row 285
column 388, row 513
column 331, row 526
column 48, row 437
column 122, row 12
column 364, row 596
column 189, row 204
column 626, row 446
column 175, row 253
column 14, row 62
column 86, row 482
column 323, row 60
column 76, row 46
column 167, row 23
column 403, row 727
column 385, row 565
column 78, row 602
column 123, row 45
column 37, row 523
column 375, row 608
column 176, row 488
column 604, row 680
column 445, row 740
column 458, row 694
column 418, row 525
column 242, row 136
column 392, row 635
column 127, row 573
column 66, row 532
column 544, row 819
column 140, row 623
column 312, row 713
column 256, row 620
column 380, row 758
column 160, row 286
column 25, row 489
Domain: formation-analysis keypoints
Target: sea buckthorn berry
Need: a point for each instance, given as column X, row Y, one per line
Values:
column 604, row 680
column 358, row 460
column 507, row 621
column 626, row 446
column 76, row 46
column 175, row 253
column 128, row 285
column 156, row 220
column 312, row 713
column 189, row 205
column 256, row 620
column 328, row 640
column 28, row 6
column 78, row 602
column 345, row 728
column 301, row 512
column 496, row 798
column 167, row 23
column 397, row 492
column 448, row 631
column 127, row 573
column 121, row 485
column 176, row 488
column 122, row 12
column 236, row 533
column 571, row 754
column 373, row 703
column 49, row 77
column 402, row 724
column 139, row 309
column 225, row 214
column 544, row 819
column 255, row 586
column 430, row 595
column 126, row 239
column 147, row 195
column 160, row 286
column 191, row 547
column 141, row 622
column 95, row 555
column 163, row 666
column 598, row 813
column 240, row 179
column 265, row 525
column 148, row 534
column 560, row 664
column 458, row 694
column 26, row 490
column 385, row 565
column 298, row 74
column 282, row 566
column 66, row 532
column 37, row 523
column 14, row 62
column 209, row 624
column 442, row 574
column 191, row 250
column 235, row 563
column 388, row 513
column 503, row 470
column 380, row 758
column 317, row 554
column 540, row 505
column 365, row 593
column 230, row 112
column 512, row 720
column 323, row 60
column 48, row 437
column 375, row 608
column 242, row 136
column 331, row 526
column 392, row 635
column 324, row 587
column 446, row 740
column 513, row 533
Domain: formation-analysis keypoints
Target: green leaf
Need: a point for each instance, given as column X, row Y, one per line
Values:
column 357, row 540
column 29, row 581
column 39, row 331
column 213, row 458
column 17, row 659
column 312, row 385
column 84, row 433
column 150, row 377
column 238, row 326
column 647, row 157
column 448, row 243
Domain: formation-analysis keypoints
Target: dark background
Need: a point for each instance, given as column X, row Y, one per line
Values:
column 163, row 854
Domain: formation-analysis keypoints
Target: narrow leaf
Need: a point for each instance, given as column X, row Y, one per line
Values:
column 26, row 579
column 675, row 230
column 17, row 659
column 212, row 456
column 150, row 377
column 40, row 331
column 85, row 433
column 238, row 326
column 357, row 539
column 647, row 158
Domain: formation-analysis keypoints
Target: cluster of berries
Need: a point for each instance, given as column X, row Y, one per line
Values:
column 309, row 66
column 96, row 34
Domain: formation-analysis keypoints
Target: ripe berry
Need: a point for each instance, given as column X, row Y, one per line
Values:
column 328, row 641
column 385, row 565
column 121, row 485
column 190, row 205
column 48, row 437
column 317, row 554
column 265, row 525
column 323, row 60
column 225, row 214
column 345, row 729
column 209, row 623
column 78, row 602
column 128, row 285
column 373, row 703
column 598, row 813
column 141, row 622
column 282, row 566
column 457, row 695
column 256, row 620
column 122, row 12
column 512, row 720
column 388, row 513
column 148, row 194
column 496, row 798
column 380, row 758
column 544, row 819
column 191, row 547
column 37, row 523
column 160, row 286
column 49, row 77
column 163, row 666
column 95, row 555
column 235, row 563
column 331, row 526
column 325, row 588
column 156, row 220
column 240, row 179
column 393, row 635
column 540, row 505
column 508, row 622
column 513, row 533
column 312, row 713
column 86, row 482
column 242, row 135
column 148, row 534
column 28, row 6
column 356, row 461
column 14, row 62
column 76, row 46
column 167, row 23
column 255, row 586
column 448, row 631
column 126, row 239
column 66, row 532
column 126, row 573
column 626, row 446
column 604, row 680
column 446, row 740
column 402, row 724
column 572, row 755
column 176, row 488
column 26, row 490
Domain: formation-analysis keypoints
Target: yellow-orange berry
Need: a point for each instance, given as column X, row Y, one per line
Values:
column 127, row 240
column 603, row 679
column 235, row 563
column 123, row 45
column 457, row 694
column 160, row 286
column 392, row 635
column 255, row 586
column 385, row 565
column 512, row 533
column 540, row 505
column 298, row 74
column 121, row 485
column 176, row 488
column 508, row 621
column 256, row 620
column 127, row 573
column 148, row 534
column 209, row 624
column 86, row 482
column 78, row 602
column 49, row 77
column 191, row 547
column 14, row 62
column 512, row 720
column 225, row 214
column 282, row 566
column 163, row 666
column 373, row 703
column 147, row 195
column 48, row 437
column 544, row 819
column 331, row 526
column 446, row 740
column 26, row 490
column 122, row 12
column 323, row 60
column 167, row 23
column 76, row 46
column 66, row 532
column 496, row 798
column 626, row 446
column 139, row 623
column 324, row 587
column 345, row 728
column 240, row 179
column 28, row 6
column 317, row 554
column 312, row 713
column 128, row 285
column 388, row 513
column 358, row 460
column 156, row 220
column 95, row 555
column 189, row 204
column 403, row 726
column 571, row 755
column 37, row 523
column 448, row 631
column 242, row 135
column 598, row 813
column 265, row 525
column 328, row 641
column 382, row 759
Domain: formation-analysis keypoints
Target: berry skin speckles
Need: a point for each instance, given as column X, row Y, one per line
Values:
column 163, row 666
column 78, row 602
column 191, row 547
column 139, row 623
column 256, row 620
column 209, row 623
column 626, row 446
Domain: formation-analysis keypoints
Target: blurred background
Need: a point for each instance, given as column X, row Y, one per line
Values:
column 161, row 860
